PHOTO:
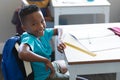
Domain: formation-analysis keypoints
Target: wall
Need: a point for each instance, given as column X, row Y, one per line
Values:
column 7, row 29
column 115, row 10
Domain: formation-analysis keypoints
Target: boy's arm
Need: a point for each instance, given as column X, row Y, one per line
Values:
column 26, row 54
column 58, row 32
column 55, row 31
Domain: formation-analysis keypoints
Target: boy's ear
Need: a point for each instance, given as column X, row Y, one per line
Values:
column 23, row 27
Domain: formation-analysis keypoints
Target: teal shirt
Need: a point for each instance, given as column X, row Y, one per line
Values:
column 41, row 47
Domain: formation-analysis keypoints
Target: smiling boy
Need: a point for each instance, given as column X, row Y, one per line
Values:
column 35, row 45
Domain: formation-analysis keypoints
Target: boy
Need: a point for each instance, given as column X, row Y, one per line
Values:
column 35, row 45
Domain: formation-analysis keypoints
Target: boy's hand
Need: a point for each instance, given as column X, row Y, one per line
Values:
column 61, row 46
column 50, row 66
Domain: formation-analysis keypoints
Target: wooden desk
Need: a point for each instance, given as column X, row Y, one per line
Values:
column 105, row 61
column 70, row 7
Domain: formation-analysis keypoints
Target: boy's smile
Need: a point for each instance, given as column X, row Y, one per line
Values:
column 35, row 24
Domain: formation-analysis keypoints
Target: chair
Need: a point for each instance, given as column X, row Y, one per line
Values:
column 27, row 65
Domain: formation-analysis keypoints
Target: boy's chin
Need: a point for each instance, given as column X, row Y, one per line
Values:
column 40, row 35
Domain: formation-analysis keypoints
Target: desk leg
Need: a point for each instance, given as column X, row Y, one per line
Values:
column 118, row 76
column 72, row 77
column 56, row 17
column 107, row 10
column 94, row 16
column 72, row 73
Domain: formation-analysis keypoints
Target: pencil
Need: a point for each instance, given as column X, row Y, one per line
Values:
column 80, row 49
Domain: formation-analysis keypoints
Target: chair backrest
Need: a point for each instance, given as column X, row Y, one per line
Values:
column 27, row 65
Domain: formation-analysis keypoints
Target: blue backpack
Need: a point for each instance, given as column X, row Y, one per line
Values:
column 13, row 67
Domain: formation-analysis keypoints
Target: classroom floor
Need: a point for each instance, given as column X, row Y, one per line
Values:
column 90, row 77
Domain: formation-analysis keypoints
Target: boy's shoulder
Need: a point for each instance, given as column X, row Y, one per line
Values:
column 27, row 36
column 49, row 31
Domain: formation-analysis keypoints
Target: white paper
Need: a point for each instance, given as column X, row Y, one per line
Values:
column 85, row 33
column 102, row 43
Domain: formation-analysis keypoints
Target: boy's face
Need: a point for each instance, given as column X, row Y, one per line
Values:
column 35, row 24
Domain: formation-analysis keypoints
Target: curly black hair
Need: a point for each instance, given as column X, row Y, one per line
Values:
column 26, row 10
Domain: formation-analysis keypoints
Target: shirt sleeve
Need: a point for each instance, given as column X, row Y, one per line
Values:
column 49, row 33
column 25, row 38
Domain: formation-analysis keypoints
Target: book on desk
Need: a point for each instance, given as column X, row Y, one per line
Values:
column 92, row 40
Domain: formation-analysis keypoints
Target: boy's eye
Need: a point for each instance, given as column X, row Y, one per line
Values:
column 34, row 24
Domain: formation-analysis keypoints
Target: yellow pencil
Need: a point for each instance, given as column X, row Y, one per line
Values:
column 80, row 49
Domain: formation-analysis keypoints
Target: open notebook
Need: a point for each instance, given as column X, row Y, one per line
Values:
column 94, row 40
column 102, row 43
